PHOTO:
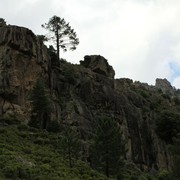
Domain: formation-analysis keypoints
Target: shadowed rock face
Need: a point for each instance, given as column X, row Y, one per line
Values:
column 23, row 58
column 99, row 65
column 165, row 86
column 81, row 93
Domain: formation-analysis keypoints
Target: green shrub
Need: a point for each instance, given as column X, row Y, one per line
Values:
column 53, row 126
column 144, row 94
column 168, row 125
column 164, row 175
column 3, row 130
column 23, row 127
column 10, row 171
column 176, row 100
column 133, row 178
column 39, row 141
column 9, row 119
column 27, row 150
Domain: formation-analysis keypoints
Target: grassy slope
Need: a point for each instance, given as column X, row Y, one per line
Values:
column 27, row 153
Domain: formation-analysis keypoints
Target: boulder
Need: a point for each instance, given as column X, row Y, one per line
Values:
column 165, row 86
column 99, row 65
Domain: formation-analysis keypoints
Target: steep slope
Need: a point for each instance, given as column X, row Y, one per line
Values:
column 27, row 153
column 81, row 93
column 87, row 95
column 23, row 59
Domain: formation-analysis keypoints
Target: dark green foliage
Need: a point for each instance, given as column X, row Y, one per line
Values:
column 144, row 94
column 42, row 38
column 7, row 94
column 9, row 120
column 69, row 74
column 53, row 54
column 2, row 22
column 175, row 150
column 109, row 147
column 53, row 126
column 176, row 100
column 21, row 158
column 40, row 106
column 70, row 143
column 164, row 175
column 168, row 125
column 63, row 35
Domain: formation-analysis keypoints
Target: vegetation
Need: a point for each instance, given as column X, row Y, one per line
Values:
column 63, row 35
column 42, row 38
column 2, row 22
column 175, row 150
column 168, row 125
column 109, row 147
column 29, row 153
column 51, row 148
column 71, row 144
column 40, row 106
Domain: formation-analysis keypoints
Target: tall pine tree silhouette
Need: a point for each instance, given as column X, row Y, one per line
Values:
column 109, row 147
column 40, row 106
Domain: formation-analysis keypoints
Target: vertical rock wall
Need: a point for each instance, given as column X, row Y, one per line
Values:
column 23, row 59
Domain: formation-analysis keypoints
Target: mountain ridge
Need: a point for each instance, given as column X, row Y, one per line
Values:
column 81, row 93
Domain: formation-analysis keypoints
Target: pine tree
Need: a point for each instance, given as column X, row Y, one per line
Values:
column 109, row 147
column 40, row 106
column 175, row 150
column 2, row 22
column 70, row 144
column 63, row 35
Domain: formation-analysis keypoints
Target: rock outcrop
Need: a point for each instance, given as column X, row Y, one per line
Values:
column 99, row 65
column 165, row 86
column 81, row 93
column 23, row 59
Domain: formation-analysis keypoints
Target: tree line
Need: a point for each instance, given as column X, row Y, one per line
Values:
column 107, row 147
column 60, row 33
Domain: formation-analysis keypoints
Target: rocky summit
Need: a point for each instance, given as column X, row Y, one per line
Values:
column 80, row 93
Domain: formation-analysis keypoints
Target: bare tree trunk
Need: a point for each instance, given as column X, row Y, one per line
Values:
column 57, row 43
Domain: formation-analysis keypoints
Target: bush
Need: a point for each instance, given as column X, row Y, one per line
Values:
column 9, row 119
column 53, row 126
column 176, row 100
column 10, row 171
column 23, row 127
column 133, row 178
column 168, row 125
column 164, row 175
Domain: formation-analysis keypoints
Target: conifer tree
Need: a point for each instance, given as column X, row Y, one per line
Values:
column 70, row 143
column 109, row 147
column 63, row 35
column 40, row 106
column 2, row 22
column 175, row 150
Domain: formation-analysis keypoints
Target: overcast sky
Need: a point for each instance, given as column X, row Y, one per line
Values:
column 139, row 38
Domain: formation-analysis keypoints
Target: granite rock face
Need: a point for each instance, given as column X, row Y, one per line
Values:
column 133, row 105
column 23, row 59
column 81, row 93
column 164, row 85
column 99, row 65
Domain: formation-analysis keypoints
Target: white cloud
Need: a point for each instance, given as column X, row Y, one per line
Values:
column 140, row 38
column 176, row 82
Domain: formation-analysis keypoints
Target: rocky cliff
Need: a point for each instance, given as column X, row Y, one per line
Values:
column 23, row 59
column 80, row 93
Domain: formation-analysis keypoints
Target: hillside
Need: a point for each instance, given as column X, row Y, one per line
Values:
column 27, row 153
column 79, row 96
